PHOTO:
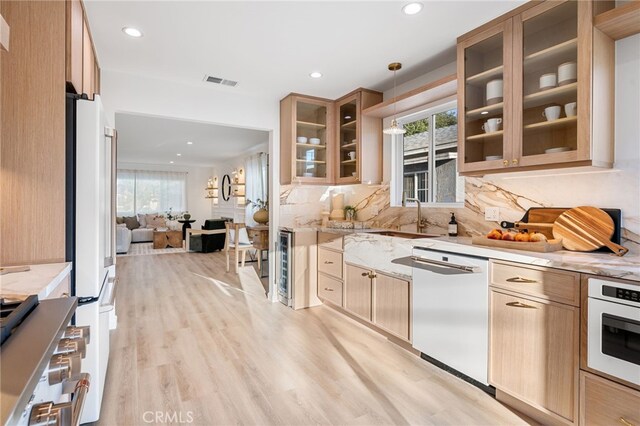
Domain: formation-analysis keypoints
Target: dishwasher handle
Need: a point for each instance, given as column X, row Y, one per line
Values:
column 463, row 268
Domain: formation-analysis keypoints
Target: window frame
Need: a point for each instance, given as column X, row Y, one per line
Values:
column 397, row 166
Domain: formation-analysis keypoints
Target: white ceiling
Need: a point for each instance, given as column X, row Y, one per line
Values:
column 271, row 47
column 158, row 140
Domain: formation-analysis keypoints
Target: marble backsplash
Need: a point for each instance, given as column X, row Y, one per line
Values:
column 303, row 205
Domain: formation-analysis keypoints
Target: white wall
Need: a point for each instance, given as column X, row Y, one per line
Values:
column 197, row 205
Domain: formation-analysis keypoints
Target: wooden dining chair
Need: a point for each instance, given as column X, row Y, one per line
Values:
column 237, row 240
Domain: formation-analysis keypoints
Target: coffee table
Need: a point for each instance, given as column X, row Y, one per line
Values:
column 164, row 239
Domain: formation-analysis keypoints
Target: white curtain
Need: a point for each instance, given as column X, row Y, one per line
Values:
column 142, row 191
column 256, row 183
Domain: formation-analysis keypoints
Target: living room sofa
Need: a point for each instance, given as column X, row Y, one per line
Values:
column 140, row 228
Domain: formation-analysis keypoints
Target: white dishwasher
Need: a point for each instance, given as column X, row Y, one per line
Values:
column 451, row 312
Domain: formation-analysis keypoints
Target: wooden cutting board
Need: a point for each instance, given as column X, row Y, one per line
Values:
column 586, row 229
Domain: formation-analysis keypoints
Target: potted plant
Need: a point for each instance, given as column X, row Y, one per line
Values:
column 261, row 216
column 350, row 212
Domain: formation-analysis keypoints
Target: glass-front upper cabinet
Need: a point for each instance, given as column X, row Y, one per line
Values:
column 549, row 82
column 348, row 111
column 484, row 98
column 306, row 140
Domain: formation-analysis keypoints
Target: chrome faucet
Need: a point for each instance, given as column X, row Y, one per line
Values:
column 421, row 224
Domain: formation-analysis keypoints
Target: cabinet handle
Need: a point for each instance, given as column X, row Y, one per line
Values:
column 514, row 161
column 623, row 421
column 327, row 262
column 328, row 289
column 365, row 274
column 505, row 162
column 521, row 280
column 520, row 305
column 373, row 276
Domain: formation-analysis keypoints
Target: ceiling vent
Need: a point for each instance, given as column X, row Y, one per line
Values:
column 218, row 80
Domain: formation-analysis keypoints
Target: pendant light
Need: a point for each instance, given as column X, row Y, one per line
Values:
column 394, row 129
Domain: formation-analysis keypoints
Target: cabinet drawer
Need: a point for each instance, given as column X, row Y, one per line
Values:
column 330, row 262
column 330, row 289
column 603, row 402
column 329, row 240
column 551, row 284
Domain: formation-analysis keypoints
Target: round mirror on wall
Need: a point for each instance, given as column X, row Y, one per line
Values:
column 226, row 187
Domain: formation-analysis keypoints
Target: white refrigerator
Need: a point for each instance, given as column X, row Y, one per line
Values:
column 91, row 157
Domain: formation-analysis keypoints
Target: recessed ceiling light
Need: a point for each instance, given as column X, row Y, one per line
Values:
column 133, row 32
column 315, row 74
column 189, row 143
column 179, row 155
column 170, row 162
column 412, row 8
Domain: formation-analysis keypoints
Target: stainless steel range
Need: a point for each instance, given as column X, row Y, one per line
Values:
column 41, row 379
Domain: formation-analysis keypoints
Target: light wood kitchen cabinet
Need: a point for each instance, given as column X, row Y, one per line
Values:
column 358, row 290
column 536, row 91
column 603, row 402
column 533, row 352
column 359, row 139
column 74, row 39
column 330, row 142
column 392, row 305
column 32, row 131
column 330, row 289
column 330, row 262
column 306, row 140
column 82, row 70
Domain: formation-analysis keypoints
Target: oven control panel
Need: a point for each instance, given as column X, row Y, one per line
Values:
column 621, row 293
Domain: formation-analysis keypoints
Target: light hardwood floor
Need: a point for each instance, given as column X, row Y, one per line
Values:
column 196, row 342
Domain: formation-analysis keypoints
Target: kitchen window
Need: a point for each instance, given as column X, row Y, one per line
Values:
column 430, row 178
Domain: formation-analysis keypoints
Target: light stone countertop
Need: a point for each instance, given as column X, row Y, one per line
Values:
column 42, row 279
column 596, row 263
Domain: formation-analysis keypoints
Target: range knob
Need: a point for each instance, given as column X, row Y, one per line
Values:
column 73, row 332
column 64, row 366
column 50, row 414
column 66, row 346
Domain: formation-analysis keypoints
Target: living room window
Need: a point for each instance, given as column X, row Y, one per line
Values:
column 426, row 165
column 141, row 191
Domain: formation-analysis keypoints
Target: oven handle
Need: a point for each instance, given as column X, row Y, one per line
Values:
column 80, row 393
column 432, row 262
column 621, row 323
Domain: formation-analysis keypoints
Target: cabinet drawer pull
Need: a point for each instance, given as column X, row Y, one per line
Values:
column 520, row 305
column 328, row 262
column 623, row 421
column 328, row 289
column 521, row 280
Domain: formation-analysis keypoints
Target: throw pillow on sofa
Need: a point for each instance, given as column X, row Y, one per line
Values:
column 142, row 220
column 131, row 222
column 119, row 220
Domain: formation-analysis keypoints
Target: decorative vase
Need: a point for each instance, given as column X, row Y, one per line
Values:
column 186, row 216
column 261, row 216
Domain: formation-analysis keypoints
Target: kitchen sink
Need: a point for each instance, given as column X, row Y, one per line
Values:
column 400, row 234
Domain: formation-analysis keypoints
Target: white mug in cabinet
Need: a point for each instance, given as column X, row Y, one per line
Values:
column 548, row 81
column 570, row 109
column 301, row 139
column 551, row 113
column 567, row 73
column 352, row 155
column 492, row 125
column 494, row 91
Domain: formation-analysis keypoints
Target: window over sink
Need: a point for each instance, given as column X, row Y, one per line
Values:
column 426, row 157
